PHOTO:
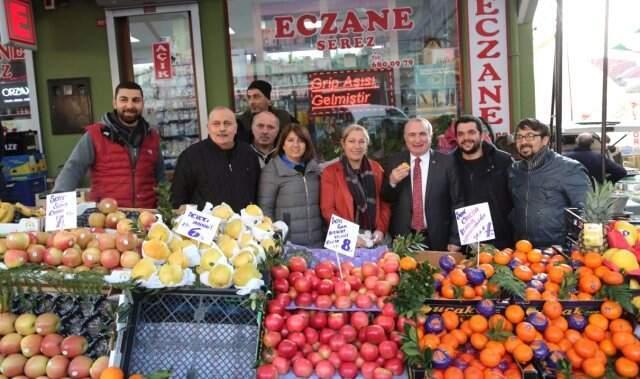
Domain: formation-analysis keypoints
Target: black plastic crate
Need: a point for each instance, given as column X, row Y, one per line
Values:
column 196, row 333
column 83, row 219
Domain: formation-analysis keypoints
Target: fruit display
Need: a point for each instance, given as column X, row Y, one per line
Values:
column 56, row 336
column 12, row 213
column 232, row 259
column 566, row 342
column 327, row 286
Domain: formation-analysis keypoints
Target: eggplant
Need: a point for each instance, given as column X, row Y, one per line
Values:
column 540, row 349
column 434, row 324
column 515, row 262
column 538, row 320
column 538, row 285
column 541, row 277
column 475, row 276
column 486, row 307
column 441, row 359
column 577, row 322
column 447, row 263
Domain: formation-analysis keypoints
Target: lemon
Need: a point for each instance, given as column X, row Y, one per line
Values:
column 177, row 257
column 625, row 260
column 143, row 269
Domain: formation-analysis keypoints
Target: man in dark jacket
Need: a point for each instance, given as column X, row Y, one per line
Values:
column 122, row 153
column 592, row 160
column 484, row 174
column 543, row 184
column 217, row 169
column 259, row 98
column 423, row 189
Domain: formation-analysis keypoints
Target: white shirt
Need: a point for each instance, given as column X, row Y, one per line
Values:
column 424, row 170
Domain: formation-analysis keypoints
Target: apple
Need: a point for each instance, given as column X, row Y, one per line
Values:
column 112, row 219
column 110, row 258
column 124, row 226
column 25, row 324
column 53, row 256
column 129, row 258
column 108, row 205
column 18, row 241
column 64, row 240
column 106, row 241
column 35, row 253
column 146, row 219
column 15, row 258
column 91, row 257
column 126, row 241
column 97, row 220
column 71, row 257
column 83, row 237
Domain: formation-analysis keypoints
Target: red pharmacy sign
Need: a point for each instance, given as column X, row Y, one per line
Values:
column 162, row 60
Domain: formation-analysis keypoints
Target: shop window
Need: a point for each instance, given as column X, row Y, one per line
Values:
column 336, row 62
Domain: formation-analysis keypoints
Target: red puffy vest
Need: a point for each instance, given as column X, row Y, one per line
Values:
column 113, row 176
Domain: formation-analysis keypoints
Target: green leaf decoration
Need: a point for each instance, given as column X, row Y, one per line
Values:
column 414, row 288
column 408, row 245
column 507, row 283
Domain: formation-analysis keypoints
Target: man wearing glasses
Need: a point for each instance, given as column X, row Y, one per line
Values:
column 543, row 183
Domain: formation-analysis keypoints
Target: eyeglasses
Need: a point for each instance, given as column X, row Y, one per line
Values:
column 526, row 137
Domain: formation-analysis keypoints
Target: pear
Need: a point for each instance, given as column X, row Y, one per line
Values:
column 243, row 274
column 159, row 231
column 233, row 228
column 155, row 249
column 228, row 245
column 268, row 244
column 170, row 274
column 243, row 258
column 209, row 258
column 253, row 210
column 143, row 269
column 220, row 276
column 178, row 258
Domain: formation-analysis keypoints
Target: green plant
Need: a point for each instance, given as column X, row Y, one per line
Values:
column 414, row 288
column 412, row 352
column 507, row 283
column 165, row 208
column 408, row 245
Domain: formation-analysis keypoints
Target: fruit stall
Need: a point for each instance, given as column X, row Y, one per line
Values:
column 130, row 294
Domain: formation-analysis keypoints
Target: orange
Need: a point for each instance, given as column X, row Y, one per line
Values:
column 466, row 328
column 592, row 260
column 430, row 341
column 479, row 341
column 593, row 367
column 607, row 346
column 496, row 346
column 497, row 319
column 136, row 376
column 622, row 339
column 468, row 292
column 611, row 310
column 632, row 351
column 511, row 343
column 473, row 373
column 532, row 294
column 458, row 277
column 574, row 358
column 560, row 322
column 489, row 358
column 565, row 345
column 112, row 373
column 459, row 335
column 447, row 291
column 601, row 271
column 523, row 273
column 620, row 325
column 585, row 347
column 553, row 334
column 552, row 309
column 601, row 356
column 453, row 373
column 502, row 257
column 534, row 256
column 488, row 269
column 626, row 368
column 485, row 257
column 524, row 246
column 523, row 353
column 599, row 320
column 572, row 335
column 613, row 278
column 584, row 271
column 519, row 255
column 555, row 274
column 594, row 333
column 514, row 313
column 408, row 263
column 589, row 283
column 526, row 332
column 478, row 323
column 450, row 320
column 449, row 339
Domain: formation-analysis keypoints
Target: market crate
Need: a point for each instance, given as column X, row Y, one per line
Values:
column 83, row 218
column 196, row 333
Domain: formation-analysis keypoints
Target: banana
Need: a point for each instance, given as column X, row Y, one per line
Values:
column 24, row 210
column 10, row 213
column 3, row 212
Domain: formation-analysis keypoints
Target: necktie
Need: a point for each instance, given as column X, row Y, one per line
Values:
column 417, row 208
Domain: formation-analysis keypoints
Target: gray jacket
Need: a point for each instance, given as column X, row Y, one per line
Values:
column 283, row 190
column 541, row 189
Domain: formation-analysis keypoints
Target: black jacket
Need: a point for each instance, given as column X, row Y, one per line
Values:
column 491, row 185
column 245, row 119
column 205, row 172
column 592, row 161
column 443, row 195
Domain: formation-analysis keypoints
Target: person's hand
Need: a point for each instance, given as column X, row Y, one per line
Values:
column 399, row 173
column 378, row 236
column 453, row 248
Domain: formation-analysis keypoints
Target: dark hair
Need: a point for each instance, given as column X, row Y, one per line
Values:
column 467, row 118
column 128, row 85
column 302, row 133
column 535, row 125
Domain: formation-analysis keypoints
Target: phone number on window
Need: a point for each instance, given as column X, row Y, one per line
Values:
column 391, row 64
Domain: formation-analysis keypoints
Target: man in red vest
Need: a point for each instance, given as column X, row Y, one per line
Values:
column 122, row 153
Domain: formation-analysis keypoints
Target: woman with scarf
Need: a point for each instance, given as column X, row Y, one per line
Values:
column 350, row 187
column 289, row 187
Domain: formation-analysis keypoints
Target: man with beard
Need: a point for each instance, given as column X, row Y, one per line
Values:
column 265, row 128
column 122, row 154
column 259, row 99
column 423, row 188
column 542, row 185
column 484, row 174
column 217, row 169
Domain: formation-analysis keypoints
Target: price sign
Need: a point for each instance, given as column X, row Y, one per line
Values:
column 342, row 236
column 62, row 211
column 475, row 223
column 199, row 226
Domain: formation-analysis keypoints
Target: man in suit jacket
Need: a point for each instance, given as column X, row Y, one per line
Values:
column 423, row 189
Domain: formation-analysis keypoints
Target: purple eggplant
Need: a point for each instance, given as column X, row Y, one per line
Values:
column 540, row 349
column 577, row 322
column 437, row 285
column 475, row 276
column 515, row 262
column 538, row 320
column 434, row 324
column 541, row 277
column 441, row 359
column 447, row 263
column 486, row 307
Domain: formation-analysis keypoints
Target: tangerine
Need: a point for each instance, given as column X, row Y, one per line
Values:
column 136, row 376
column 589, row 283
column 489, row 358
column 620, row 325
column 613, row 278
column 479, row 340
column 453, row 373
column 553, row 334
column 574, row 358
column 496, row 346
column 485, row 257
column 478, row 323
column 473, row 373
column 523, row 353
column 611, row 310
column 532, row 294
column 538, row 267
column 514, row 313
column 572, row 335
column 523, row 273
column 555, row 274
column 599, row 320
column 593, row 367
column 459, row 335
column 552, row 309
column 408, row 263
column 112, row 373
column 488, row 269
column 458, row 277
column 450, row 320
column 526, row 332
column 524, row 246
column 511, row 343
column 502, row 257
column 585, row 347
column 534, row 256
column 561, row 323
column 632, row 351
column 626, row 367
column 594, row 333
column 600, row 271
column 622, row 339
column 607, row 346
column 592, row 260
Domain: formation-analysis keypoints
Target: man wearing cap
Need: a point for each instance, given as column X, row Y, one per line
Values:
column 259, row 98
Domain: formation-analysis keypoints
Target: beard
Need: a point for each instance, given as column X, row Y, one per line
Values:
column 129, row 116
column 473, row 149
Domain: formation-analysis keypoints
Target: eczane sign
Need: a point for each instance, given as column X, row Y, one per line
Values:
column 17, row 26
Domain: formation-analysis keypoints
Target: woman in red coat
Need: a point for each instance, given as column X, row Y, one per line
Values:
column 350, row 188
